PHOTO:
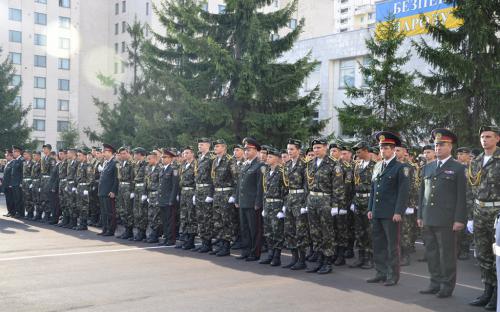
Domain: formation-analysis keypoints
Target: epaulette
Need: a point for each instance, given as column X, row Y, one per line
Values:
column 333, row 159
column 212, row 156
column 347, row 164
column 229, row 157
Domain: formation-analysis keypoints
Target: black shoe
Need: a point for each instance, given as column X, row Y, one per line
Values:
column 108, row 234
column 444, row 294
column 237, row 245
column 242, row 257
column 319, row 264
column 360, row 261
column 295, row 258
column 326, row 267
column 140, row 236
column 430, row 291
column 269, row 259
column 492, row 304
column 340, row 257
column 251, row 258
column 301, row 263
column 377, row 279
column 189, row 243
column 484, row 299
column 206, row 247
column 368, row 261
column 390, row 282
column 225, row 250
column 313, row 257
column 348, row 253
column 276, row 258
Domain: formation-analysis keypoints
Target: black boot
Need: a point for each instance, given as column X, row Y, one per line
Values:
column 368, row 261
column 73, row 224
column 83, row 225
column 207, row 246
column 189, row 242
column 295, row 256
column 46, row 218
column 128, row 233
column 153, row 237
column 327, row 266
column 484, row 299
column 319, row 264
column 141, row 234
column 225, row 249
column 312, row 256
column 218, row 247
column 359, row 262
column 63, row 222
column 492, row 305
column 301, row 262
column 405, row 257
column 277, row 258
column 340, row 257
column 269, row 259
column 348, row 253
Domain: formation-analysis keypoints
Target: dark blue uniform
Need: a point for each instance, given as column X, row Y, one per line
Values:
column 108, row 183
column 168, row 189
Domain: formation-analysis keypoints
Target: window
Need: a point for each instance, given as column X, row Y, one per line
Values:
column 344, row 1
column 15, row 58
column 15, row 36
column 63, row 63
column 41, row 1
column 17, row 101
column 147, row 8
column 275, row 3
column 117, row 8
column 343, row 29
column 124, row 27
column 63, row 84
column 343, row 20
column 40, row 40
column 124, row 6
column 64, row 22
column 370, row 16
column 123, row 67
column 64, row 43
column 15, row 15
column 116, row 48
column 204, row 7
column 63, row 105
column 39, row 103
column 344, row 10
column 38, row 124
column 222, row 8
column 115, row 90
column 123, row 47
column 39, row 82
column 64, row 3
column 293, row 23
column 116, row 68
column 347, row 73
column 275, row 37
column 117, row 26
column 16, row 81
column 40, row 18
column 366, row 79
column 62, row 125
column 40, row 61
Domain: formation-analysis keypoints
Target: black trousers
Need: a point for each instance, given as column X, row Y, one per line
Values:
column 106, row 205
column 251, row 233
column 55, row 211
column 17, row 197
column 440, row 250
column 386, row 240
column 9, row 200
column 168, row 217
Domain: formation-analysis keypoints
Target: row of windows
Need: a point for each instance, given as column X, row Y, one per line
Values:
column 39, row 125
column 40, row 18
column 41, row 103
column 40, row 60
column 62, row 3
column 347, row 73
column 123, row 49
column 41, row 83
column 39, row 39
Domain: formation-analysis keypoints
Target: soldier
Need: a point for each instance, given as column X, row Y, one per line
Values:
column 188, row 212
column 310, row 154
column 81, row 208
column 284, row 156
column 296, row 226
column 344, row 220
column 96, row 166
column 238, row 159
column 140, row 210
column 375, row 153
column 203, row 197
column 429, row 153
column 63, row 198
column 483, row 176
column 326, row 197
column 28, row 199
column 152, row 186
column 71, row 187
column 274, row 210
column 125, row 170
column 363, row 172
column 224, row 175
column 47, row 164
column 55, row 207
column 108, row 187
column 464, row 238
column 16, row 181
column 7, row 176
column 168, row 190
column 442, row 213
column 35, row 185
column 388, row 201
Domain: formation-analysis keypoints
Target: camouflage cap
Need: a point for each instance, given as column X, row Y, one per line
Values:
column 295, row 142
column 489, row 128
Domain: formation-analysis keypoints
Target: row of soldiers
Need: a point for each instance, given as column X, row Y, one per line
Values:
column 315, row 202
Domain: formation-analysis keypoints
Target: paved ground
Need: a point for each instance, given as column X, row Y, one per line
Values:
column 44, row 268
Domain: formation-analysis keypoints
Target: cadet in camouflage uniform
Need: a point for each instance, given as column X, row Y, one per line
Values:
column 464, row 238
column 140, row 205
column 326, row 196
column 363, row 172
column 296, row 226
column 204, row 193
column 188, row 225
column 484, row 180
column 27, row 181
column 46, row 165
column 125, row 171
column 152, row 184
column 238, row 159
column 96, row 165
column 71, row 187
column 224, row 181
column 82, row 179
column 274, row 210
column 36, row 175
column 63, row 199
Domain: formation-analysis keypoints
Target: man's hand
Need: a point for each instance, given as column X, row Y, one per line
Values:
column 369, row 215
column 420, row 223
column 396, row 217
column 111, row 195
column 458, row 226
column 236, row 205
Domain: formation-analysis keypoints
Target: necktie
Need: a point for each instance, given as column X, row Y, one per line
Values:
column 384, row 164
column 439, row 164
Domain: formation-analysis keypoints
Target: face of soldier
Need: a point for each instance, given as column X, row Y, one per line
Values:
column 203, row 147
column 27, row 156
column 311, row 155
column 16, row 153
column 363, row 154
column 250, row 152
column 400, row 153
column 82, row 157
column 387, row 151
column 443, row 150
column 219, row 149
column 463, row 158
column 335, row 153
column 98, row 155
column 166, row 159
column 272, row 160
column 319, row 150
column 124, row 156
column 188, row 155
column 285, row 157
column 71, row 155
column 107, row 154
column 152, row 160
column 46, row 150
column 263, row 156
column 346, row 155
column 36, row 157
column 8, row 156
column 62, row 156
column 430, row 155
column 293, row 151
column 489, row 140
column 238, row 153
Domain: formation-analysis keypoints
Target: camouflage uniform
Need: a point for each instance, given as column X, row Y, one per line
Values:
column 82, row 181
column 204, row 189
column 95, row 174
column 484, row 188
column 35, row 188
column 152, row 185
column 274, row 194
column 409, row 223
column 125, row 170
column 464, row 238
column 188, row 212
column 27, row 181
column 47, row 163
column 71, row 190
column 63, row 199
column 139, row 209
column 343, row 220
column 235, row 215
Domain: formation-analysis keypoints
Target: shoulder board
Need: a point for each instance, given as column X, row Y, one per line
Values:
column 306, row 160
column 229, row 157
column 212, row 156
column 333, row 159
column 263, row 169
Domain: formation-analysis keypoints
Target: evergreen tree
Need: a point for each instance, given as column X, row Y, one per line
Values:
column 70, row 136
column 13, row 125
column 463, row 87
column 387, row 99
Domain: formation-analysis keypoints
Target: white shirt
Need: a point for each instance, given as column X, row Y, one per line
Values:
column 318, row 161
column 365, row 163
column 386, row 162
column 187, row 165
column 443, row 161
column 486, row 159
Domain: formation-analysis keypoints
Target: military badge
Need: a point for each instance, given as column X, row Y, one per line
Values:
column 406, row 171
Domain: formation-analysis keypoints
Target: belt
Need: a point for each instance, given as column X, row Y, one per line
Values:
column 188, row 188
column 202, row 185
column 35, row 180
column 125, row 183
column 319, row 194
column 71, row 181
column 63, row 180
column 487, row 204
column 363, row 195
column 299, row 191
column 152, row 193
column 45, row 176
column 27, row 179
column 273, row 200
column 139, row 184
column 223, row 189
column 84, row 184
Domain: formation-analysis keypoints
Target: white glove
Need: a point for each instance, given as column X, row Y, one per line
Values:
column 263, row 213
column 144, row 197
column 283, row 209
column 470, row 226
column 85, row 193
column 334, row 211
column 132, row 195
column 148, row 201
column 177, row 198
column 31, row 186
column 74, row 190
column 231, row 200
column 303, row 210
column 353, row 208
column 342, row 212
column 280, row 215
column 94, row 188
column 409, row 211
column 100, row 168
column 194, row 199
column 209, row 199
